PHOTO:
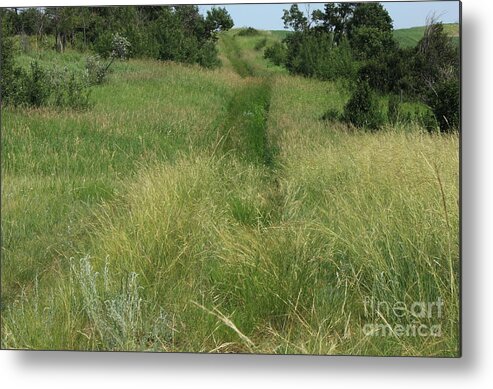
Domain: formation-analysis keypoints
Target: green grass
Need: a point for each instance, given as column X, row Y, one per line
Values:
column 279, row 34
column 213, row 211
column 409, row 37
column 245, row 57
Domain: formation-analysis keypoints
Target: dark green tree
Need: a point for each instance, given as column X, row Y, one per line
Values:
column 362, row 109
column 294, row 18
column 6, row 55
column 335, row 19
column 370, row 31
column 218, row 19
column 436, row 74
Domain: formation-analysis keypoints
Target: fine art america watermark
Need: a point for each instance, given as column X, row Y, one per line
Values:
column 400, row 319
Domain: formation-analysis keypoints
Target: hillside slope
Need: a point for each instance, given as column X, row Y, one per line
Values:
column 409, row 37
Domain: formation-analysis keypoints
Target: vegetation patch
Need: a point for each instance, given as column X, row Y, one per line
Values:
column 201, row 208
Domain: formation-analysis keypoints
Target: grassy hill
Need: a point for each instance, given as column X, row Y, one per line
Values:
column 213, row 211
column 409, row 37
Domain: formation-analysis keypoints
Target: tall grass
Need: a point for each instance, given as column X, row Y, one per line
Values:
column 196, row 210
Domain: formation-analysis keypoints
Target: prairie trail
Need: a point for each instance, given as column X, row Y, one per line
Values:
column 245, row 126
column 252, row 224
column 245, row 130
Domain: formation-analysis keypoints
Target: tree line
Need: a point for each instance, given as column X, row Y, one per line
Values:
column 174, row 33
column 178, row 33
column 354, row 41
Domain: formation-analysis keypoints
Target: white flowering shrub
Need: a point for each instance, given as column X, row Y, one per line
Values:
column 97, row 71
column 120, row 47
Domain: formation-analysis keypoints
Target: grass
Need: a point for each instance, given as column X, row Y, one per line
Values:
column 213, row 211
column 409, row 37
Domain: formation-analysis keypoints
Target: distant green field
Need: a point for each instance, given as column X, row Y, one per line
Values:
column 280, row 34
column 409, row 37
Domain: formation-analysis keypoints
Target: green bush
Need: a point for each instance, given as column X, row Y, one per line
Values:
column 96, row 70
column 37, row 86
column 362, row 109
column 308, row 53
column 249, row 31
column 7, row 68
column 428, row 121
column 102, row 44
column 332, row 115
column 276, row 53
column 444, row 101
column 207, row 55
column 260, row 44
column 29, row 86
column 69, row 90
column 394, row 106
column 313, row 54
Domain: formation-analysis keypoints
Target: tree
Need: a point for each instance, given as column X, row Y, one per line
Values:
column 62, row 25
column 437, row 75
column 276, row 53
column 218, row 19
column 295, row 19
column 335, row 19
column 362, row 109
column 6, row 55
column 370, row 31
column 444, row 101
column 436, row 58
column 370, row 15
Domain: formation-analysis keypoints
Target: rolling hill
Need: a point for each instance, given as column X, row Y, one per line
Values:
column 408, row 37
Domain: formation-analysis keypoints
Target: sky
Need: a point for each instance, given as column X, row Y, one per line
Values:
column 404, row 14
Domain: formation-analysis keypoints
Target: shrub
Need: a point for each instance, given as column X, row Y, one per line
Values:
column 313, row 54
column 394, row 109
column 362, row 109
column 102, row 45
column 96, row 70
column 307, row 53
column 120, row 47
column 276, row 53
column 340, row 63
column 116, row 310
column 260, row 44
column 178, row 33
column 207, row 55
column 7, row 67
column 428, row 121
column 36, row 85
column 444, row 100
column 29, row 86
column 69, row 90
column 332, row 115
column 249, row 31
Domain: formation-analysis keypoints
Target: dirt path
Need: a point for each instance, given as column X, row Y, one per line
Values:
column 245, row 129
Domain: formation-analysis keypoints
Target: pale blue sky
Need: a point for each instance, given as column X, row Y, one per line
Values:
column 404, row 14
